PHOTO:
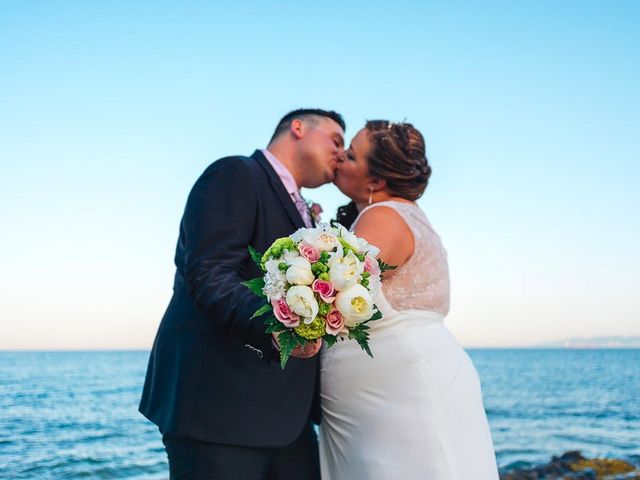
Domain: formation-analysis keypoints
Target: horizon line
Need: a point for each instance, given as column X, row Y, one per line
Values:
column 502, row 347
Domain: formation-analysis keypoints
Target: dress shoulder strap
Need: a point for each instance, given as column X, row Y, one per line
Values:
column 405, row 210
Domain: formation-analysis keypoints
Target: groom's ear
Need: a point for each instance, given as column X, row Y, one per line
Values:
column 297, row 128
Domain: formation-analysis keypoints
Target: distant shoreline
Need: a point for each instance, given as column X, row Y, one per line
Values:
column 125, row 350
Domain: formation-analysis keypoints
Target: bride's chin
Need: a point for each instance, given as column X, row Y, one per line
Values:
column 336, row 182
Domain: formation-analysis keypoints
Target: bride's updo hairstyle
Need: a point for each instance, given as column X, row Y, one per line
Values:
column 397, row 156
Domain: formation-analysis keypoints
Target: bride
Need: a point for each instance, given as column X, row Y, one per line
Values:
column 415, row 410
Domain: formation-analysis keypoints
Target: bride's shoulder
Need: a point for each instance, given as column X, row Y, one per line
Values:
column 379, row 212
column 387, row 211
column 384, row 227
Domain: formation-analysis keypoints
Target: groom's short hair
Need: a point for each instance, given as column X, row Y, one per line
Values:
column 308, row 115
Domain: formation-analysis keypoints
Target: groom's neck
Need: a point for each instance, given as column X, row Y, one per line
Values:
column 287, row 158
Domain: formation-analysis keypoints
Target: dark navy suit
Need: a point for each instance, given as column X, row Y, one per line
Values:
column 212, row 374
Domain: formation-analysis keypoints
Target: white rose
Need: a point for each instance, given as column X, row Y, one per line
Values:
column 297, row 235
column 360, row 245
column 344, row 271
column 371, row 250
column 350, row 238
column 289, row 256
column 375, row 287
column 272, row 266
column 299, row 272
column 321, row 238
column 355, row 305
column 301, row 300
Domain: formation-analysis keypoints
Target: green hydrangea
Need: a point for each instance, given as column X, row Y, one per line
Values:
column 312, row 331
column 324, row 308
column 318, row 268
column 277, row 248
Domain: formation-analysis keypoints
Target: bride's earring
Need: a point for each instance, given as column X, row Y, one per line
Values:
column 370, row 195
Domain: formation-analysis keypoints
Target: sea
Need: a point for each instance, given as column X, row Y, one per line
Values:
column 73, row 415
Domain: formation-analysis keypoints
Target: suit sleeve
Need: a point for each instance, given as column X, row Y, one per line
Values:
column 217, row 227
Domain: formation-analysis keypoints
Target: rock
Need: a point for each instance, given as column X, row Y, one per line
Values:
column 604, row 466
column 574, row 466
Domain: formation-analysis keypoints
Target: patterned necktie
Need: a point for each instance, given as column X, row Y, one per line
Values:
column 302, row 207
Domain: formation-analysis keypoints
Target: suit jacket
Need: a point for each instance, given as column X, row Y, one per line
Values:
column 212, row 375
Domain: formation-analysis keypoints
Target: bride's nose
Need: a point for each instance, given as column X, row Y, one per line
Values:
column 342, row 156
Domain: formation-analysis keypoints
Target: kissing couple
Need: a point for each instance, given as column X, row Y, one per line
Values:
column 214, row 385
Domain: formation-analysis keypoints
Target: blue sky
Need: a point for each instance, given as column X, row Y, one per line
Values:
column 110, row 110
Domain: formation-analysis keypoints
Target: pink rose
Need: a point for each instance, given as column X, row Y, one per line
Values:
column 371, row 265
column 283, row 313
column 308, row 252
column 335, row 323
column 324, row 289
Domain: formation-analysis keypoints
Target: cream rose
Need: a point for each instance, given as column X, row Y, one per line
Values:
column 320, row 238
column 360, row 245
column 299, row 272
column 344, row 271
column 302, row 302
column 355, row 305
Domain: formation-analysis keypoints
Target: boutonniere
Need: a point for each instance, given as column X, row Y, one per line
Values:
column 316, row 211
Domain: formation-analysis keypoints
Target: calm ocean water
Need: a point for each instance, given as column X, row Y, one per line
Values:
column 74, row 414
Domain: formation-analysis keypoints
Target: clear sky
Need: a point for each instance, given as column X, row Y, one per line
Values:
column 110, row 110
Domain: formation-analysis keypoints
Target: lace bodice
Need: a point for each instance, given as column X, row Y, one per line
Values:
column 423, row 281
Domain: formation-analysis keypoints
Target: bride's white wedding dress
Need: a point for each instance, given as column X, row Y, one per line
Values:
column 415, row 410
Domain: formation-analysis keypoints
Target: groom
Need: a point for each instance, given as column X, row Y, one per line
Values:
column 214, row 387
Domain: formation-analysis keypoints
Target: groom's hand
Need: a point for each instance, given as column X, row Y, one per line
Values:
column 307, row 351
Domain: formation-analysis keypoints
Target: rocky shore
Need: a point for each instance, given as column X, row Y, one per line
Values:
column 573, row 466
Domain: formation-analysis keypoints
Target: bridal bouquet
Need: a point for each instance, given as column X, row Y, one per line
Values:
column 318, row 283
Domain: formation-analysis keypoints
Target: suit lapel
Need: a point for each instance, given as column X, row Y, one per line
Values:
column 279, row 189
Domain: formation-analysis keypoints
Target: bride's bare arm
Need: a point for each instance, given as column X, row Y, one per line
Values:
column 385, row 228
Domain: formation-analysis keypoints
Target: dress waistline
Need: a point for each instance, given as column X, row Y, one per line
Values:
column 410, row 317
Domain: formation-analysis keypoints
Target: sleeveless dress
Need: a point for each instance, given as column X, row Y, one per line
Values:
column 415, row 410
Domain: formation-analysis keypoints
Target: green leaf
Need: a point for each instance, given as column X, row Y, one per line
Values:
column 360, row 335
column 287, row 341
column 385, row 266
column 255, row 256
column 255, row 285
column 262, row 310
column 330, row 340
column 275, row 327
column 271, row 320
column 375, row 316
column 363, row 327
column 302, row 341
column 358, row 332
